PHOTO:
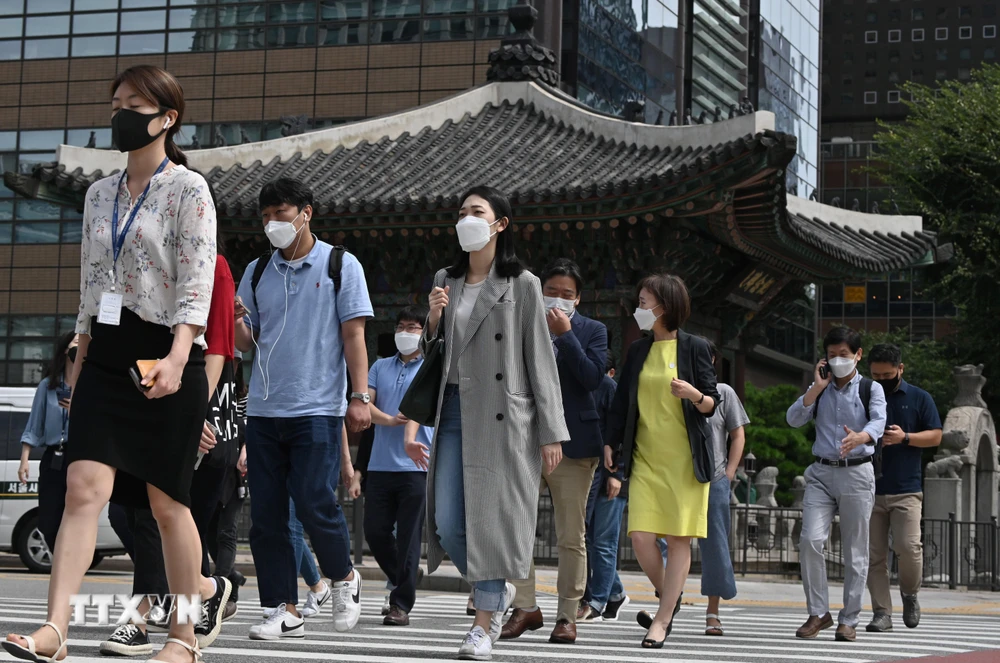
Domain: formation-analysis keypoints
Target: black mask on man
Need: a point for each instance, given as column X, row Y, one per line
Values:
column 71, row 353
column 130, row 129
column 890, row 385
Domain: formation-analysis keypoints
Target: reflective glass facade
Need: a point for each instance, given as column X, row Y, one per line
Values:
column 718, row 56
column 627, row 51
column 788, row 57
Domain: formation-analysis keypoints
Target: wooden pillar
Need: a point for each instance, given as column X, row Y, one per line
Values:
column 741, row 370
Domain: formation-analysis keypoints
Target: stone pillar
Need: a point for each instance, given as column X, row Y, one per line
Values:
column 942, row 495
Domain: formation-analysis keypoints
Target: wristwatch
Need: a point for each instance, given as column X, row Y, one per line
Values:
column 363, row 397
column 906, row 440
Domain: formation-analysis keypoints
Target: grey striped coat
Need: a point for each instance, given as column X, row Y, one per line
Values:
column 506, row 367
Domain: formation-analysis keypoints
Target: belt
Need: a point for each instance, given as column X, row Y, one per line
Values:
column 845, row 462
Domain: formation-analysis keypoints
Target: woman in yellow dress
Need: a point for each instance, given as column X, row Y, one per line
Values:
column 657, row 431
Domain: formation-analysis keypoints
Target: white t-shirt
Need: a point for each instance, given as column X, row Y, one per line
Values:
column 463, row 311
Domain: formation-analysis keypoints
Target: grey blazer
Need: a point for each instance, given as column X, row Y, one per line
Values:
column 511, row 406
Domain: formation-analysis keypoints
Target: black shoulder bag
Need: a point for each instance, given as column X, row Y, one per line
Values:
column 420, row 402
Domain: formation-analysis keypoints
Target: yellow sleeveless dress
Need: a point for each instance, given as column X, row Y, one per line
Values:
column 665, row 498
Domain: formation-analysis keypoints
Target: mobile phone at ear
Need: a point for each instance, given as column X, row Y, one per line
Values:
column 824, row 371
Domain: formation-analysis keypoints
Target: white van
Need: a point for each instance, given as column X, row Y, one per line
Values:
column 19, row 503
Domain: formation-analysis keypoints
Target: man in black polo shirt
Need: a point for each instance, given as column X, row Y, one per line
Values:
column 912, row 425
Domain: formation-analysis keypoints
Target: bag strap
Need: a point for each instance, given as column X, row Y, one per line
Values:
column 336, row 262
column 864, row 393
column 258, row 272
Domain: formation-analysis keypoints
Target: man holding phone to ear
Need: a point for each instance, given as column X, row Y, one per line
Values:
column 303, row 309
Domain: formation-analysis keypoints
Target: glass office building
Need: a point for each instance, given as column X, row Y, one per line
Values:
column 719, row 40
column 785, row 77
column 624, row 51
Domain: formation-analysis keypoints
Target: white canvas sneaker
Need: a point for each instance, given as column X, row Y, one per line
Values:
column 315, row 601
column 347, row 603
column 279, row 624
column 477, row 646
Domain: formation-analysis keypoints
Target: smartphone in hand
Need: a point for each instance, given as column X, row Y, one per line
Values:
column 63, row 394
column 824, row 371
column 138, row 372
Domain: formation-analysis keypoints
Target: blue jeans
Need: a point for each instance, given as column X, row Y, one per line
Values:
column 449, row 500
column 603, row 534
column 717, row 577
column 297, row 457
column 307, row 565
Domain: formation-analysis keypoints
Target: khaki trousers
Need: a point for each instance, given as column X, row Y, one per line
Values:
column 569, row 486
column 899, row 514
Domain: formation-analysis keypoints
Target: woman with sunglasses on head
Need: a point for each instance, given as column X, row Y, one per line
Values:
column 48, row 427
column 147, row 271
column 657, row 432
column 500, row 414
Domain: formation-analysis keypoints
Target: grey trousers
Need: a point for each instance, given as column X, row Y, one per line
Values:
column 851, row 492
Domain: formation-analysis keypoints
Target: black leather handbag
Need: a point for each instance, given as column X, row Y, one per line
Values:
column 420, row 402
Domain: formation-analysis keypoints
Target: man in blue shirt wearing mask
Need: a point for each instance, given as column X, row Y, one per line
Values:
column 850, row 417
column 307, row 323
column 913, row 424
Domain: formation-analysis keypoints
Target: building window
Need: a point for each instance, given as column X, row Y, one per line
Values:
column 894, row 15
column 942, row 13
column 917, row 75
column 918, row 55
column 871, row 37
column 894, row 56
column 871, row 57
column 964, row 74
column 965, row 32
column 870, row 76
column 893, row 76
column 940, row 33
column 989, row 32
column 990, row 53
column 965, row 54
column 846, row 99
column 847, row 81
column 965, row 12
column 893, row 97
column 871, row 17
column 917, row 14
column 847, row 38
column 895, row 35
column 989, row 10
column 917, row 34
column 848, row 18
column 940, row 75
column 871, row 97
column 942, row 55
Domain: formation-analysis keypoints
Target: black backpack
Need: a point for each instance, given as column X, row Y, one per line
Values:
column 333, row 269
column 865, row 394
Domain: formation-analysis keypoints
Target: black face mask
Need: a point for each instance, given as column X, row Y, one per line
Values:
column 130, row 129
column 71, row 353
column 890, row 385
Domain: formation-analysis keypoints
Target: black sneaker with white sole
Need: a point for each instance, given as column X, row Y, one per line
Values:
column 614, row 608
column 127, row 640
column 212, row 612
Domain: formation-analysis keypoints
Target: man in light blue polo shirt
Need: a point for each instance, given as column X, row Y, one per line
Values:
column 396, row 485
column 307, row 322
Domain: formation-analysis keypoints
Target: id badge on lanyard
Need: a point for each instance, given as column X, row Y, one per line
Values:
column 110, row 311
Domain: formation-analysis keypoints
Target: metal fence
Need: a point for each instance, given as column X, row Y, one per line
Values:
column 764, row 541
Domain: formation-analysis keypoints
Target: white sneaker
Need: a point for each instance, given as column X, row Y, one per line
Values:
column 496, row 621
column 315, row 601
column 280, row 624
column 347, row 603
column 477, row 646
column 386, row 606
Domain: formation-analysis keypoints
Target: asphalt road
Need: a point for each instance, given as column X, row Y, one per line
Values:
column 438, row 622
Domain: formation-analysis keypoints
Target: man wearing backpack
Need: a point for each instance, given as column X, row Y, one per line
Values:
column 850, row 418
column 913, row 425
column 306, row 305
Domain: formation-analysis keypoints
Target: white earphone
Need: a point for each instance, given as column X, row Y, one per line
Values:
column 166, row 124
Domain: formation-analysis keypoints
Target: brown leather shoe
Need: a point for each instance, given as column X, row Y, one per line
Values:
column 583, row 610
column 564, row 633
column 814, row 625
column 396, row 617
column 521, row 621
column 846, row 633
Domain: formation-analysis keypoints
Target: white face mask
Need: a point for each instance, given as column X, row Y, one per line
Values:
column 841, row 367
column 282, row 233
column 645, row 318
column 567, row 306
column 407, row 343
column 474, row 233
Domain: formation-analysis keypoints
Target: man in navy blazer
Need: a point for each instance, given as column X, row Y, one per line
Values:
column 581, row 348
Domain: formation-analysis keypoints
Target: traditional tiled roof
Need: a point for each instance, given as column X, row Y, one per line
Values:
column 555, row 159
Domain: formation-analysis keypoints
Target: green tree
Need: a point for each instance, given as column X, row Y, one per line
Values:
column 944, row 163
column 772, row 440
column 927, row 364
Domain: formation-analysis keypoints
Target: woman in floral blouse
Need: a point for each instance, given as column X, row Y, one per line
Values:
column 146, row 272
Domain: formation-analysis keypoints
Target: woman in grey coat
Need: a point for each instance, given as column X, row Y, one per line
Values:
column 500, row 413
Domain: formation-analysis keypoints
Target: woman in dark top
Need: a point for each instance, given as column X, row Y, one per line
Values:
column 657, row 431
